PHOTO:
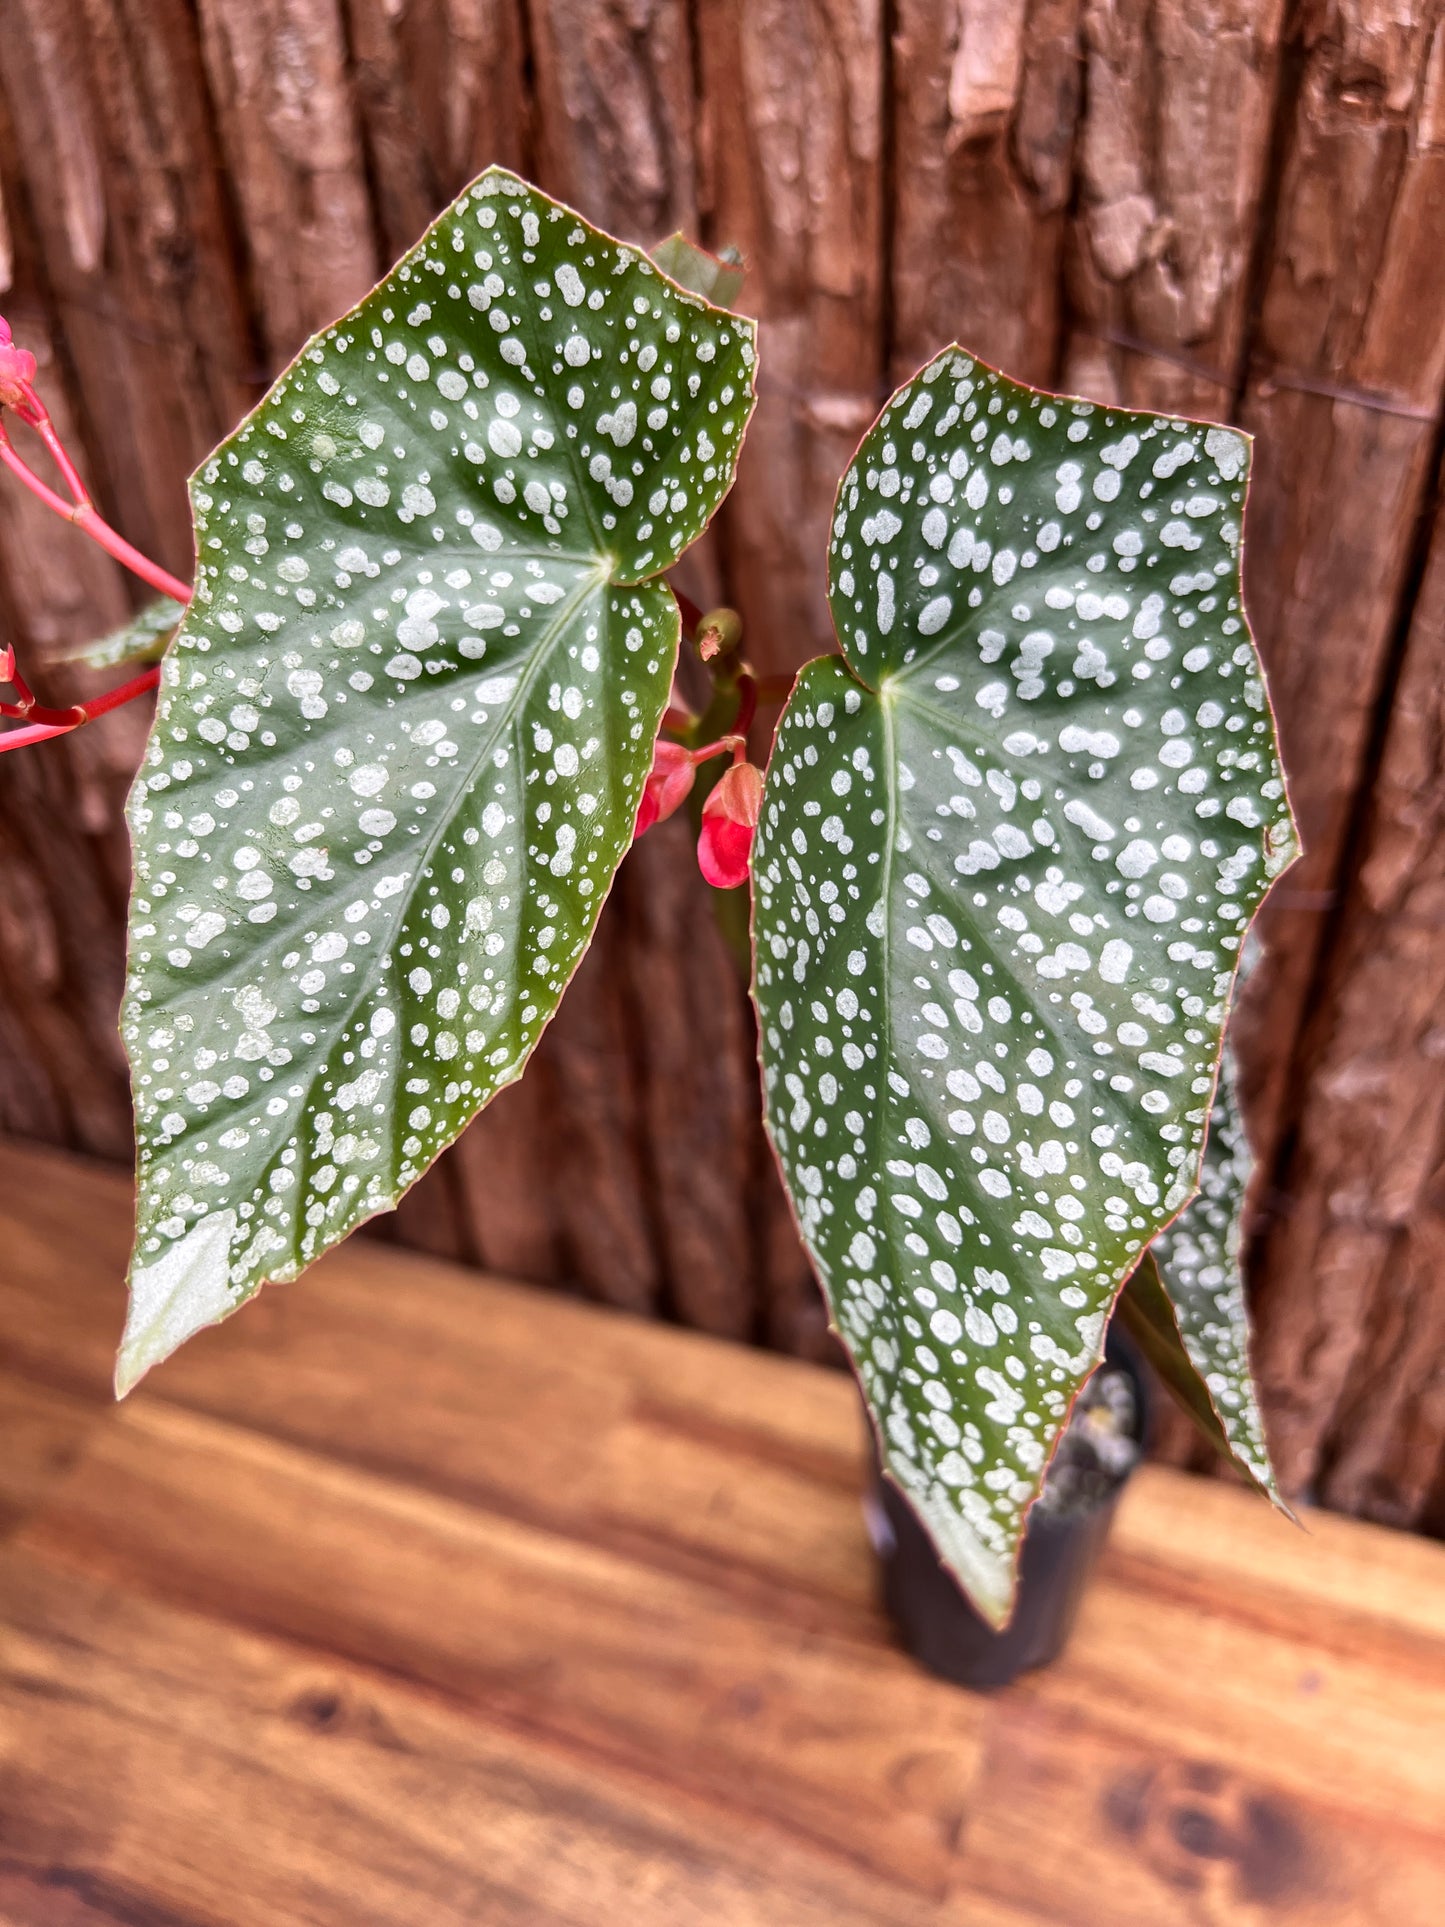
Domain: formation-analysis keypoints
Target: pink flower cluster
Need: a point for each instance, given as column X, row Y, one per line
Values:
column 729, row 816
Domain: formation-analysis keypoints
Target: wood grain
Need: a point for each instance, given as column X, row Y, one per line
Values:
column 1343, row 393
column 792, row 143
column 143, row 244
column 985, row 108
column 440, row 95
column 289, row 130
column 1173, row 155
column 1352, row 1349
column 124, row 233
column 413, row 1596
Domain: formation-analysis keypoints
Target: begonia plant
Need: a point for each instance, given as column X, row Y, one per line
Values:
column 420, row 697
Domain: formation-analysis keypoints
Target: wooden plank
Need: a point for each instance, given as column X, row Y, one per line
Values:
column 62, row 1302
column 542, row 1613
column 503, row 1186
column 161, row 1766
column 116, row 163
column 1173, row 153
column 44, row 1432
column 62, row 1073
column 1134, row 1834
column 599, row 1431
column 606, row 1656
column 792, row 142
column 292, row 143
column 1156, row 1716
column 440, row 93
column 985, row 100
column 694, row 1033
column 595, row 1132
column 1345, row 383
column 614, row 107
column 1351, row 1351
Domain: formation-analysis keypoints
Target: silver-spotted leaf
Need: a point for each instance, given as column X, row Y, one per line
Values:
column 143, row 639
column 1185, row 1304
column 404, row 729
column 1009, row 845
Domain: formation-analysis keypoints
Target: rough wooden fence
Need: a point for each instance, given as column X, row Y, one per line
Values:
column 1234, row 207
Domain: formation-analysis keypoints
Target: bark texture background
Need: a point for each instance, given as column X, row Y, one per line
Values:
column 1229, row 207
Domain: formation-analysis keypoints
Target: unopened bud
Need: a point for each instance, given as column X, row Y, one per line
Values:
column 729, row 823
column 17, row 367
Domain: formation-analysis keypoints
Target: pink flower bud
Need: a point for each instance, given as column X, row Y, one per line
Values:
column 667, row 785
column 17, row 367
column 729, row 823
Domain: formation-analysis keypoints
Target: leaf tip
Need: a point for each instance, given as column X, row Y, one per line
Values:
column 987, row 1576
column 175, row 1296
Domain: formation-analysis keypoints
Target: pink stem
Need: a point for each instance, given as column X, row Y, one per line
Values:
column 747, row 703
column 125, row 692
column 58, row 722
column 43, row 721
column 61, row 458
column 10, row 672
column 42, row 491
column 83, row 513
column 33, row 733
column 100, row 531
column 730, row 745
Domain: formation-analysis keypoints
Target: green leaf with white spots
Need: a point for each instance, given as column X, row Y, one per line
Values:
column 1010, row 842
column 403, row 730
column 1185, row 1304
column 143, row 639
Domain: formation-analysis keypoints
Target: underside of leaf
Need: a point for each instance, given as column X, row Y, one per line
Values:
column 404, row 728
column 1009, row 846
column 144, row 638
column 718, row 278
column 1186, row 1307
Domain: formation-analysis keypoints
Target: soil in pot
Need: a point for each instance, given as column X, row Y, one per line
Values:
column 1066, row 1531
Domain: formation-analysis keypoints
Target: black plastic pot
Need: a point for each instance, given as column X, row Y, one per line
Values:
column 937, row 1624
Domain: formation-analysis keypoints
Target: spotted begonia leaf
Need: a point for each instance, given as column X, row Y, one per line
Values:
column 1185, row 1304
column 143, row 639
column 404, row 729
column 1009, row 845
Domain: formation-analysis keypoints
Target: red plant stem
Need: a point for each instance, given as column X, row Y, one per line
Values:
column 33, row 733
column 83, row 513
column 125, row 692
column 60, row 456
column 41, row 720
column 12, row 675
column 45, row 722
column 131, row 558
column 729, row 745
column 42, row 491
column 747, row 703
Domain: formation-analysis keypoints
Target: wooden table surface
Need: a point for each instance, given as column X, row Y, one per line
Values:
column 408, row 1597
